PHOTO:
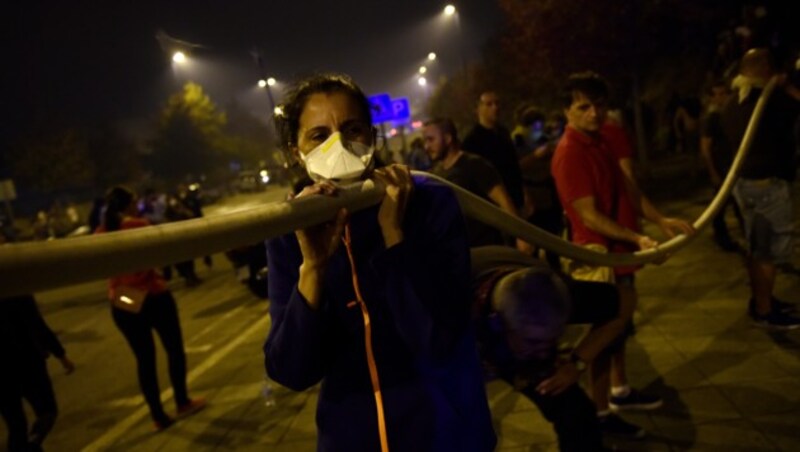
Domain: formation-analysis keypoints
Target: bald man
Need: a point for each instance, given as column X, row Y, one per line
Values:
column 763, row 188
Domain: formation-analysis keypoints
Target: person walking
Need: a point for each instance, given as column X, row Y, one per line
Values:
column 140, row 303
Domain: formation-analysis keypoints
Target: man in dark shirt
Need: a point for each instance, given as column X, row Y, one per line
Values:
column 471, row 172
column 493, row 142
column 717, row 156
column 763, row 191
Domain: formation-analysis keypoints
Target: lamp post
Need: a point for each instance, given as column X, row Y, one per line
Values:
column 451, row 11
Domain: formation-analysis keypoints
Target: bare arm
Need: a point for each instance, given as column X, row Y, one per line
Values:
column 499, row 196
column 600, row 223
column 705, row 152
column 669, row 226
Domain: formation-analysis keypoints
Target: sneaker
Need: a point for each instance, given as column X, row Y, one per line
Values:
column 613, row 425
column 635, row 400
column 779, row 306
column 163, row 424
column 776, row 320
column 192, row 407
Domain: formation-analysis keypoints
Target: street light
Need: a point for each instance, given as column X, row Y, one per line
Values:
column 431, row 56
column 449, row 10
column 262, row 83
column 179, row 57
column 422, row 81
column 271, row 81
column 423, row 69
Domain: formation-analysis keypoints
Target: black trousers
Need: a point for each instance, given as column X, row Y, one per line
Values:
column 27, row 380
column 573, row 416
column 160, row 313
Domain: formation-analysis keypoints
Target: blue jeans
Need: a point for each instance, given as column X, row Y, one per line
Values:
column 766, row 207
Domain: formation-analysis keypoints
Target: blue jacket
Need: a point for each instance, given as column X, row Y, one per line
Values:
column 418, row 297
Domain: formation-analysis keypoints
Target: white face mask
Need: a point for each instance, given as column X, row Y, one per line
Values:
column 338, row 160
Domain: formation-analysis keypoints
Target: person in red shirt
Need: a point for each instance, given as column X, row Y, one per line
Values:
column 154, row 308
column 592, row 167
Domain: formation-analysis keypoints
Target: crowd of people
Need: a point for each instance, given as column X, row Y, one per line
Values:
column 403, row 310
column 374, row 305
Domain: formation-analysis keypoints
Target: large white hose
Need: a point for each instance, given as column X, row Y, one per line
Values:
column 32, row 267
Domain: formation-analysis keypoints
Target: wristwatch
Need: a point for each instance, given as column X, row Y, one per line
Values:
column 576, row 361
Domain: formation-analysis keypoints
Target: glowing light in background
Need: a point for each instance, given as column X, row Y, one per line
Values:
column 178, row 57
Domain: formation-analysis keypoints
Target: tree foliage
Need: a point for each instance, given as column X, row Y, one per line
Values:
column 52, row 162
column 189, row 137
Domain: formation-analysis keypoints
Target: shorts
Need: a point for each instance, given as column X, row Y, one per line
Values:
column 766, row 207
column 594, row 273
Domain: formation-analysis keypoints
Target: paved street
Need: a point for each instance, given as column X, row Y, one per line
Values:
column 727, row 386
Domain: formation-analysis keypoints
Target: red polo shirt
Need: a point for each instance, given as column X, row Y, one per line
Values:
column 585, row 166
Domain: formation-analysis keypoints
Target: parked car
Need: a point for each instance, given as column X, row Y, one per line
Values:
column 252, row 181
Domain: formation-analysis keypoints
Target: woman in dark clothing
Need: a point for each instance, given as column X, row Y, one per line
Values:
column 25, row 344
column 156, row 311
column 375, row 305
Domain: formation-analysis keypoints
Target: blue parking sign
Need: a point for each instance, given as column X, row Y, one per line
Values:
column 400, row 110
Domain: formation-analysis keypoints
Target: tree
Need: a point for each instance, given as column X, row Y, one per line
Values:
column 114, row 156
column 189, row 138
column 52, row 162
column 248, row 139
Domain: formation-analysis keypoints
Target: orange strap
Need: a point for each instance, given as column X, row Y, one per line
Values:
column 373, row 368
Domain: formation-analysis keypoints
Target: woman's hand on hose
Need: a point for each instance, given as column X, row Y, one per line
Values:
column 399, row 187
column 317, row 245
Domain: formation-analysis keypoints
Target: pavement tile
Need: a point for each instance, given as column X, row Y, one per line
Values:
column 698, row 405
column 788, row 360
column 764, row 397
column 522, row 428
column 504, row 399
column 737, row 367
column 734, row 435
column 781, row 429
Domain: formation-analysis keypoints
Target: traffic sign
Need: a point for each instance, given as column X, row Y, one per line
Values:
column 400, row 109
column 381, row 108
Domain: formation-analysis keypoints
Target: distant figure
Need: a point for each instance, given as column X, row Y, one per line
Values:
column 417, row 158
column 718, row 156
column 96, row 214
column 470, row 172
column 25, row 343
column 493, row 142
column 686, row 124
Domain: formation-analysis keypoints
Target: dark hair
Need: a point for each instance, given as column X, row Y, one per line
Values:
column 117, row 200
column 288, row 123
column 447, row 127
column 481, row 93
column 527, row 114
column 588, row 83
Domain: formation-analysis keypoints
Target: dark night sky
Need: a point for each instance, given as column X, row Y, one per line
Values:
column 86, row 61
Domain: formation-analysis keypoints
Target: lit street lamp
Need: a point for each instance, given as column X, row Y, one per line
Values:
column 262, row 83
column 449, row 10
column 431, row 56
column 422, row 81
column 271, row 81
column 423, row 69
column 179, row 57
